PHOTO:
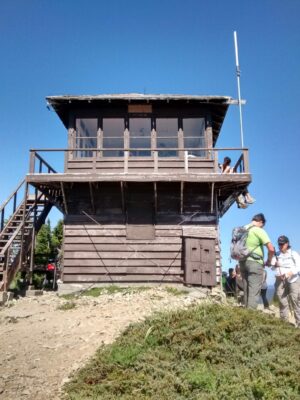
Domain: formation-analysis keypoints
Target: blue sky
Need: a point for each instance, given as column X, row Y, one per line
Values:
column 93, row 47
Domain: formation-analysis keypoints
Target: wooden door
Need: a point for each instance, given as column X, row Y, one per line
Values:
column 200, row 261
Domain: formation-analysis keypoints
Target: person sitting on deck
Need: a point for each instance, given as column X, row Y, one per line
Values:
column 244, row 198
column 225, row 167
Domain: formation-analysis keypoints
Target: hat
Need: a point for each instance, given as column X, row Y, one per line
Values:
column 283, row 239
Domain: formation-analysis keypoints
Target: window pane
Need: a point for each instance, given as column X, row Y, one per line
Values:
column 86, row 136
column 86, row 127
column 193, row 127
column 85, row 143
column 113, row 127
column 194, row 135
column 113, row 136
column 116, row 143
column 140, row 136
column 167, row 143
column 140, row 143
column 166, row 127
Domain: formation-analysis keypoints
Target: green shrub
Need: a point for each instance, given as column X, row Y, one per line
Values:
column 205, row 352
column 37, row 280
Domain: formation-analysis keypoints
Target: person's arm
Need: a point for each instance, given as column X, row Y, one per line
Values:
column 271, row 252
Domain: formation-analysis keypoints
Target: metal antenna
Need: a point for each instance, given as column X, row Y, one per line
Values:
column 238, row 74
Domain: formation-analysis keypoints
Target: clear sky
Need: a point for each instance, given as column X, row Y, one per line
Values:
column 186, row 47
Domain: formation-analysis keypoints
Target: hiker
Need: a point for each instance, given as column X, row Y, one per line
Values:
column 230, row 285
column 252, row 268
column 286, row 264
column 244, row 198
column 263, row 290
column 225, row 168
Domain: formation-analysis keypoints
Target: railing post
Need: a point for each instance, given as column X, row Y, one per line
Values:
column 32, row 162
column 216, row 161
column 186, row 162
column 23, row 226
column 155, row 156
column 246, row 161
column 15, row 202
column 126, row 155
column 2, row 219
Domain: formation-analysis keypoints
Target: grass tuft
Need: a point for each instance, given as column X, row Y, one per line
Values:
column 67, row 306
column 205, row 352
column 175, row 291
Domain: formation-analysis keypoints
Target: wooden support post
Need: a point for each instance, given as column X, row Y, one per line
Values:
column 2, row 219
column 246, row 162
column 33, row 237
column 155, row 199
column 155, row 155
column 122, row 197
column 66, row 156
column 92, row 197
column 180, row 143
column 212, row 197
column 32, row 162
column 186, row 162
column 64, row 197
column 181, row 197
column 23, row 225
column 126, row 155
column 216, row 162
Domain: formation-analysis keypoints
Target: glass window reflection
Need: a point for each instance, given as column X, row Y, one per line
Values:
column 167, row 136
column 140, row 136
column 194, row 136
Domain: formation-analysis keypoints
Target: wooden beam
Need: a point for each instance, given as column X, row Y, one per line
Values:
column 123, row 197
column 92, row 197
column 212, row 197
column 181, row 196
column 155, row 201
column 64, row 197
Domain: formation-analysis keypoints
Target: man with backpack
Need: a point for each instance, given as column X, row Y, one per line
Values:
column 252, row 264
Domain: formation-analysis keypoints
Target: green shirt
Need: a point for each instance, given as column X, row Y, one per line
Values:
column 255, row 242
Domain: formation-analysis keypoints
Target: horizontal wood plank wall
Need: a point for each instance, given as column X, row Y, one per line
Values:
column 139, row 165
column 94, row 253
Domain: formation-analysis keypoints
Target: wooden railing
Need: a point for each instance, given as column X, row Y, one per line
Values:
column 187, row 158
column 10, row 202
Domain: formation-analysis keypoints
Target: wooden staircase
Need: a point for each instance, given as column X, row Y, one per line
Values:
column 17, row 233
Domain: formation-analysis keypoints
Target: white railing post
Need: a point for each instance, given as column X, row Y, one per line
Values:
column 155, row 156
column 186, row 161
column 126, row 155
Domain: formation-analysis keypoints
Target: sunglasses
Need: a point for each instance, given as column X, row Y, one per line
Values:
column 281, row 244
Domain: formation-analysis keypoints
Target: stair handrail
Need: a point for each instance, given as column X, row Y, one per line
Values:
column 3, row 205
column 3, row 251
column 34, row 155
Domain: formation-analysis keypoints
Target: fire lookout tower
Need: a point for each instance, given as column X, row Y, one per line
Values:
column 141, row 191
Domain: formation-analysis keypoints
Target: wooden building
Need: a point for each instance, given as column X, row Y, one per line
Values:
column 141, row 191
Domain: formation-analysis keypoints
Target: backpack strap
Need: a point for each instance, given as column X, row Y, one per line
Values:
column 259, row 257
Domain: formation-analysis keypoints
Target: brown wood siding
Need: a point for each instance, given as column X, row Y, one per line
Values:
column 102, row 253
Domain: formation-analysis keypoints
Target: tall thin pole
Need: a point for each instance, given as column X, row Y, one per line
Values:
column 238, row 74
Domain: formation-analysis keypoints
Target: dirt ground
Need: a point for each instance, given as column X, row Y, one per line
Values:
column 41, row 344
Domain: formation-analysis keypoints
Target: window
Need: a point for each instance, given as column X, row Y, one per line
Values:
column 167, row 136
column 194, row 135
column 140, row 136
column 113, row 137
column 86, row 136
